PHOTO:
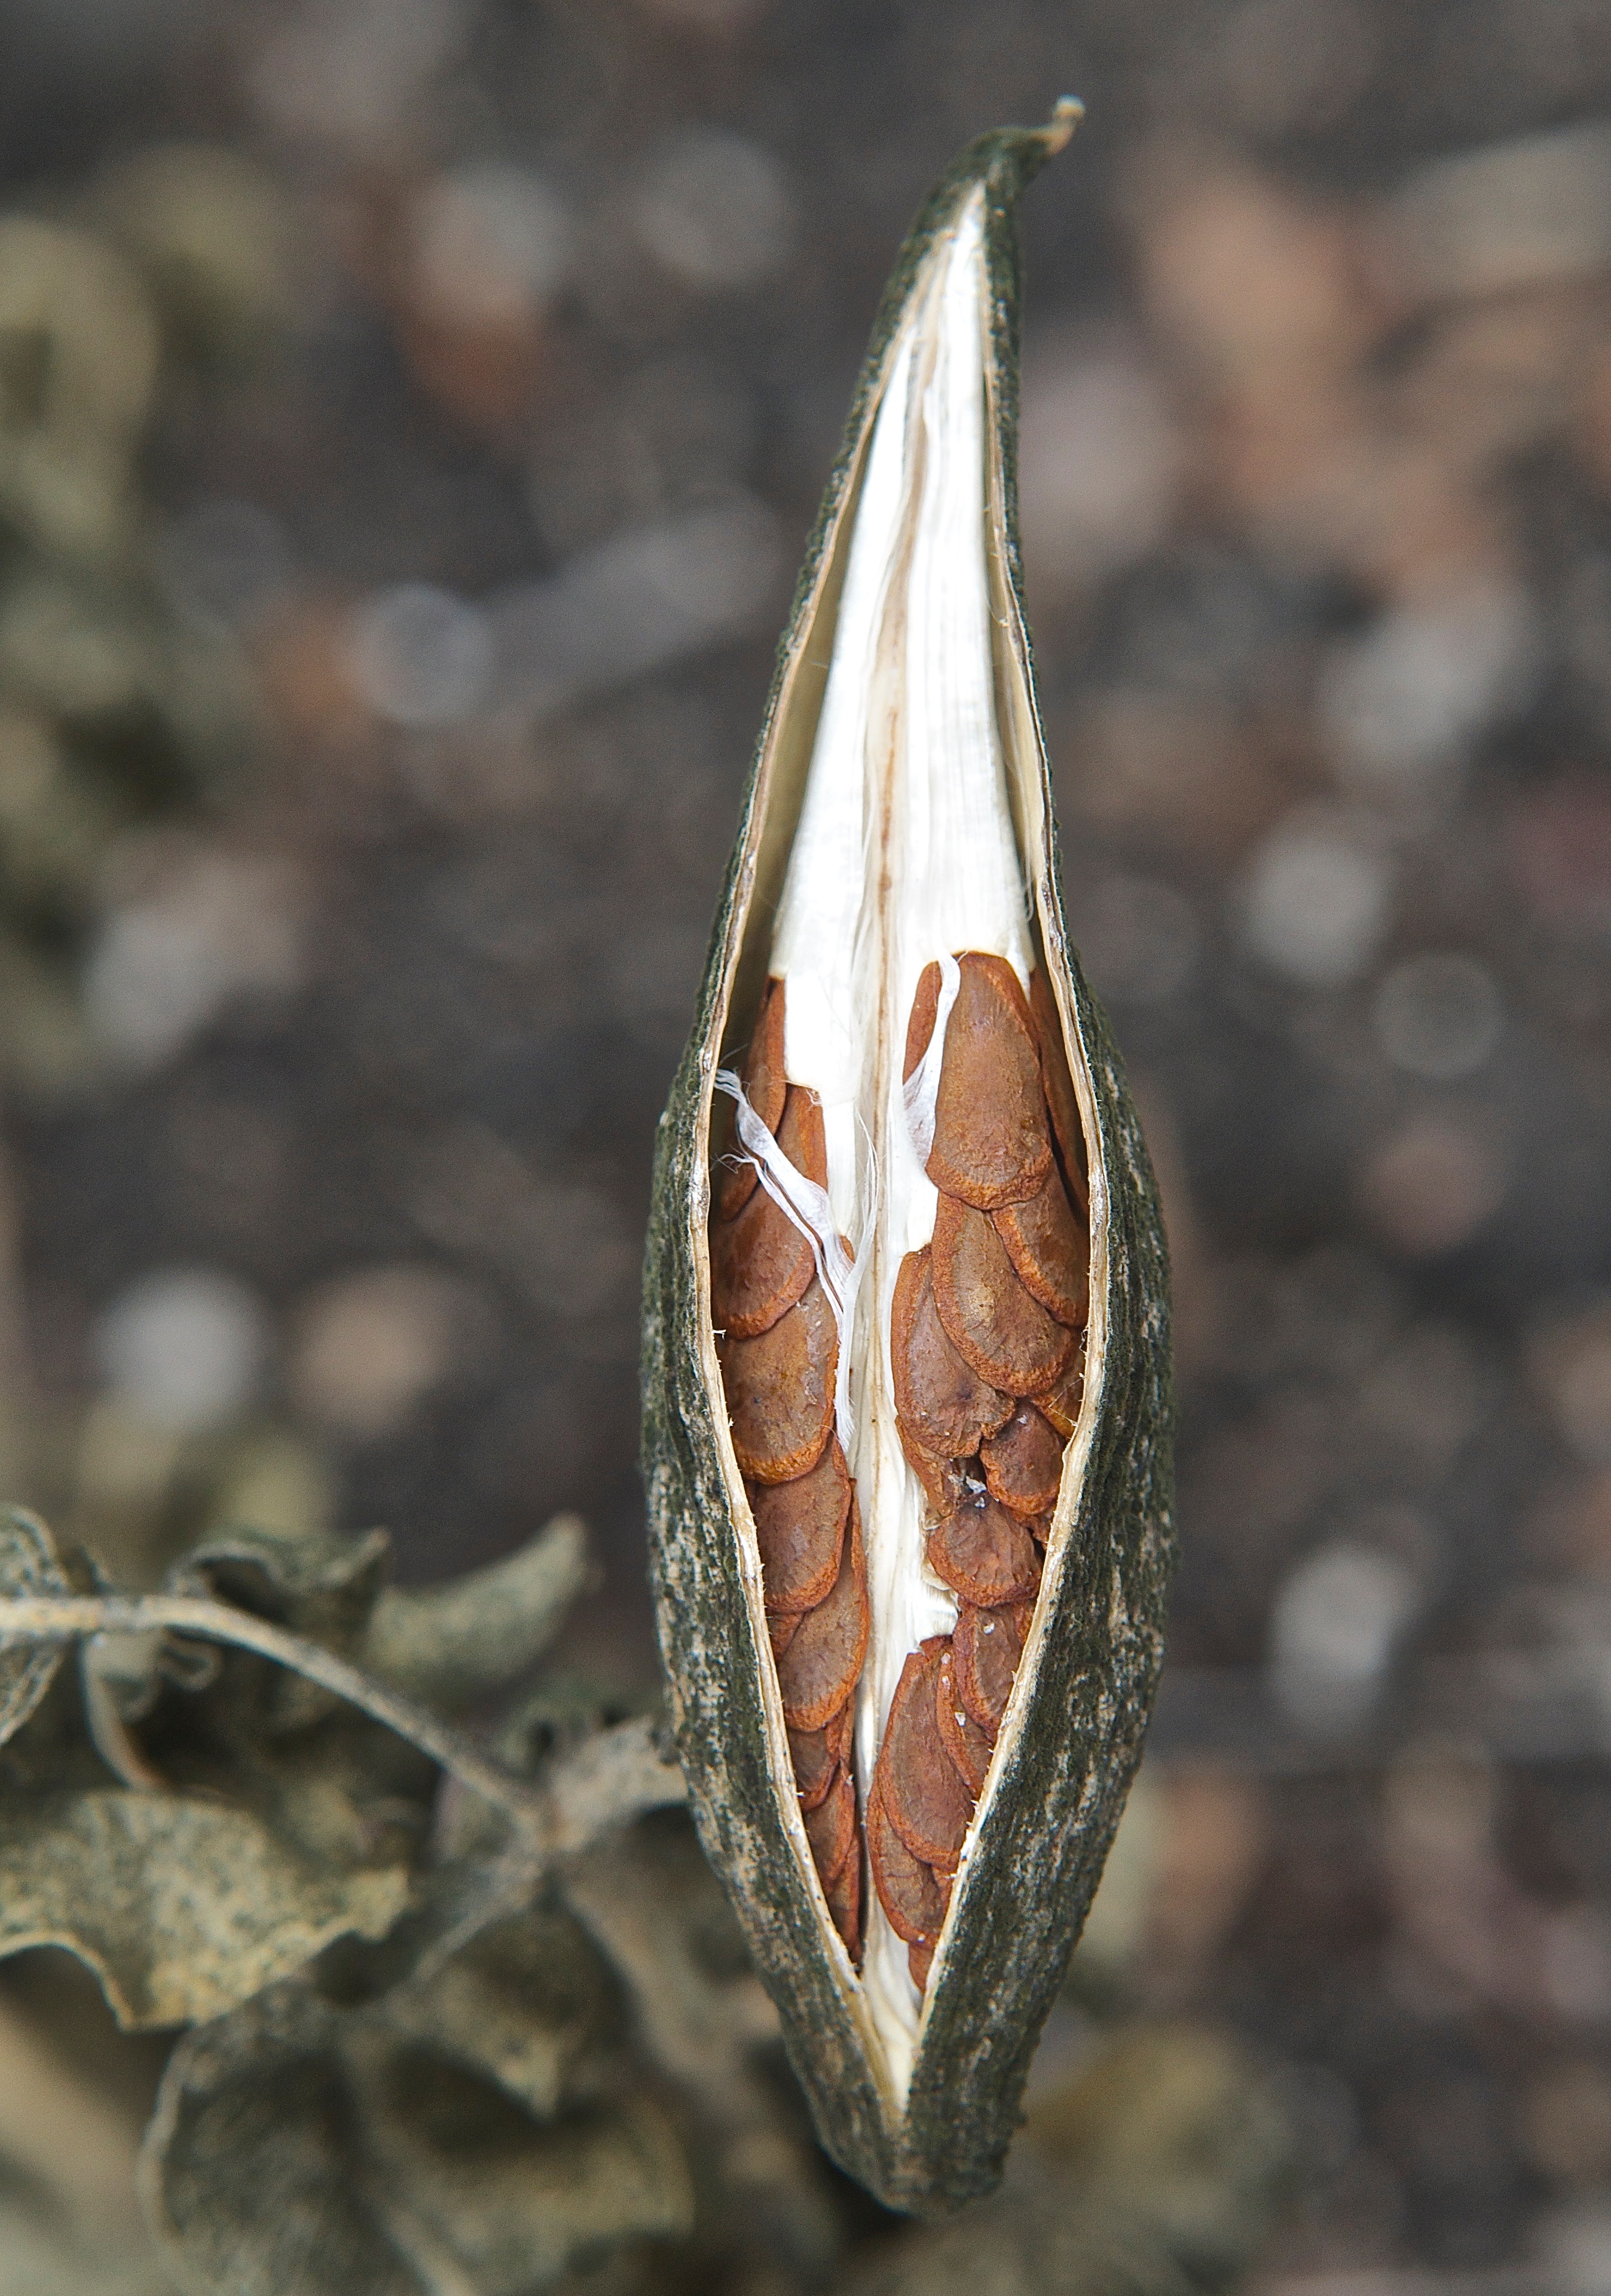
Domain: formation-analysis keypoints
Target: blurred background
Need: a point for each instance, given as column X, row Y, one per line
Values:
column 411, row 415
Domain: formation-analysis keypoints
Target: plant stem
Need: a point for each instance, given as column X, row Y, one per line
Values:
column 558, row 1821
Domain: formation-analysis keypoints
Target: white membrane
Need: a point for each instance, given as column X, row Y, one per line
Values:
column 904, row 854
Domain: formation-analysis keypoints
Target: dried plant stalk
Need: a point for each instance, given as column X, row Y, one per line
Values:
column 919, row 1256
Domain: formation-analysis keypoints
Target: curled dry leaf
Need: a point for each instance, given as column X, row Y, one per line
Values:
column 300, row 2146
column 450, row 1644
column 984, row 1334
column 182, row 1906
column 323, row 1584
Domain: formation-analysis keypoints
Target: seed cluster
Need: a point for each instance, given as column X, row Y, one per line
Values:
column 987, row 1355
column 779, row 1347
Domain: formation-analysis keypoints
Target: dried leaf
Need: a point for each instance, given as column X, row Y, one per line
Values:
column 299, row 2149
column 182, row 1908
column 28, row 1565
column 519, row 2005
column 248, row 2181
column 450, row 1644
column 654, row 1908
column 323, row 1584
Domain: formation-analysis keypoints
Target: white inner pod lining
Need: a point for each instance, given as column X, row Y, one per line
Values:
column 904, row 854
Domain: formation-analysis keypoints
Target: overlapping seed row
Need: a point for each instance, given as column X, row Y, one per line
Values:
column 779, row 1347
column 987, row 1350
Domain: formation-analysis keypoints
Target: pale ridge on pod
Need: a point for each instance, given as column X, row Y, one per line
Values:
column 904, row 853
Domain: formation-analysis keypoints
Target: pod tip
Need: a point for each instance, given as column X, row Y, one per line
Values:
column 1068, row 113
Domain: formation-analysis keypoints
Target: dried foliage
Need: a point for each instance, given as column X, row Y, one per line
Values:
column 466, row 2027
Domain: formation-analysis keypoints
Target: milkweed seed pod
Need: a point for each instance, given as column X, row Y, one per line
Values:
column 906, row 1367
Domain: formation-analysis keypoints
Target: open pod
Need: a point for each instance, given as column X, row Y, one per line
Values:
column 906, row 1357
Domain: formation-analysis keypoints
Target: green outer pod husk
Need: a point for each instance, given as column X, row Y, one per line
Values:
column 1073, row 1736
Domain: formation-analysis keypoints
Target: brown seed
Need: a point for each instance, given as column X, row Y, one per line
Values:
column 799, row 1528
column 920, row 1021
column 840, row 1731
column 816, row 1765
column 1062, row 1400
column 986, row 1647
column 845, row 1903
column 943, row 1406
column 1059, row 1087
column 760, row 1261
column 924, row 1799
column 941, row 1479
column 1023, row 1463
column 983, row 1553
column 831, row 1829
column 780, row 1390
column 1001, row 1333
column 803, row 1136
column 1049, row 1251
column 759, row 1266
column 763, row 1081
column 912, row 1894
column 920, row 1960
column 965, row 1741
column 992, row 1141
column 781, row 1628
column 822, row 1664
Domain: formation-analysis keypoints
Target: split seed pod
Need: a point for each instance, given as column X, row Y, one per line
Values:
column 907, row 1739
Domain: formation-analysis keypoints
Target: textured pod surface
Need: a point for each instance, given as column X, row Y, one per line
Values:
column 1068, row 1720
